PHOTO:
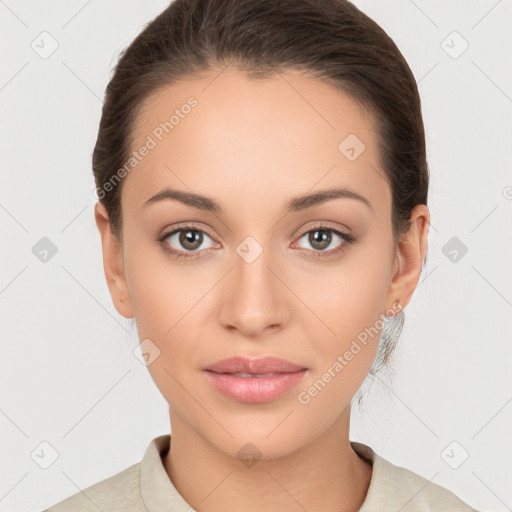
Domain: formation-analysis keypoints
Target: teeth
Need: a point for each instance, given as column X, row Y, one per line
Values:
column 243, row 374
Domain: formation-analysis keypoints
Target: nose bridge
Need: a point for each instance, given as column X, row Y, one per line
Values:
column 251, row 265
column 251, row 268
column 254, row 299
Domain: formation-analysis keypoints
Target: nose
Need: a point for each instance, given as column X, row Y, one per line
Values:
column 254, row 298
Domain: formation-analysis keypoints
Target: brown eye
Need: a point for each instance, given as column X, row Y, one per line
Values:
column 190, row 239
column 320, row 239
column 186, row 242
column 325, row 241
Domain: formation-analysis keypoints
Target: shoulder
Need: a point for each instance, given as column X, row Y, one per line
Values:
column 394, row 487
column 140, row 487
column 416, row 493
column 118, row 493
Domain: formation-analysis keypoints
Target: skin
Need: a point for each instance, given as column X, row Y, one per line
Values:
column 252, row 145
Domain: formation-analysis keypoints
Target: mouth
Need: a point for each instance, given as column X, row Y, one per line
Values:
column 256, row 380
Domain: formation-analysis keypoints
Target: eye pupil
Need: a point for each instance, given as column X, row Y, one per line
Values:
column 189, row 239
column 323, row 240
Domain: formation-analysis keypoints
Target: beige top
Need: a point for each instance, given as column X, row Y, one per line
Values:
column 146, row 487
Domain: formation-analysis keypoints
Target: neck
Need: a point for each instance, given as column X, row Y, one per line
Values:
column 326, row 474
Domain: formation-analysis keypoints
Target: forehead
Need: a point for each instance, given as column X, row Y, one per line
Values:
column 276, row 137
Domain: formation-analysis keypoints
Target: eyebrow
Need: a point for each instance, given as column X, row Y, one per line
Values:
column 294, row 205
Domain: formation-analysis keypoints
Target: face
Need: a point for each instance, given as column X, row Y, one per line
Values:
column 261, row 274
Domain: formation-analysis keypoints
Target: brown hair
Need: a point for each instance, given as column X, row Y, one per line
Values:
column 332, row 40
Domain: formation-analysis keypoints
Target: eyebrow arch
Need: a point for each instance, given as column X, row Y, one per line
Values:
column 310, row 200
column 294, row 205
column 195, row 200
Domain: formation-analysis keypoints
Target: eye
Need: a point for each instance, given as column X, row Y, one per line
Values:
column 188, row 241
column 185, row 242
column 327, row 240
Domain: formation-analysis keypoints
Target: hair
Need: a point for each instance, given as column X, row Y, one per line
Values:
column 331, row 40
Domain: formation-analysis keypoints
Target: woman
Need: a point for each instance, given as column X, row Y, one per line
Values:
column 262, row 184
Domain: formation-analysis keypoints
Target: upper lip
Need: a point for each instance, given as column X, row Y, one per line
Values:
column 255, row 366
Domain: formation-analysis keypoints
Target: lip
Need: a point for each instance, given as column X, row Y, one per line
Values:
column 256, row 366
column 254, row 389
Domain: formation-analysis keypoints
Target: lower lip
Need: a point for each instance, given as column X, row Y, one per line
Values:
column 255, row 389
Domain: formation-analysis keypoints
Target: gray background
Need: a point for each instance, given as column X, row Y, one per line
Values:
column 69, row 374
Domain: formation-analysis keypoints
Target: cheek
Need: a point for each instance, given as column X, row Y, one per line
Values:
column 349, row 296
column 168, row 301
column 158, row 290
column 165, row 304
column 343, row 359
column 350, row 303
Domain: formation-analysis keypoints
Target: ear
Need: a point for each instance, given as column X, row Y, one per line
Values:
column 410, row 253
column 113, row 263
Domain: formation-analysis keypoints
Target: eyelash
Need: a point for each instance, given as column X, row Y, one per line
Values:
column 186, row 255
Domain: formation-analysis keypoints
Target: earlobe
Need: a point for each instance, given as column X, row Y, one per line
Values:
column 113, row 264
column 410, row 253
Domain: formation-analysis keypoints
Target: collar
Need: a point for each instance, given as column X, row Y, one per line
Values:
column 158, row 492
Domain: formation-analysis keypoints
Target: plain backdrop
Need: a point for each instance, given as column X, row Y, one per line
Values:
column 71, row 387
